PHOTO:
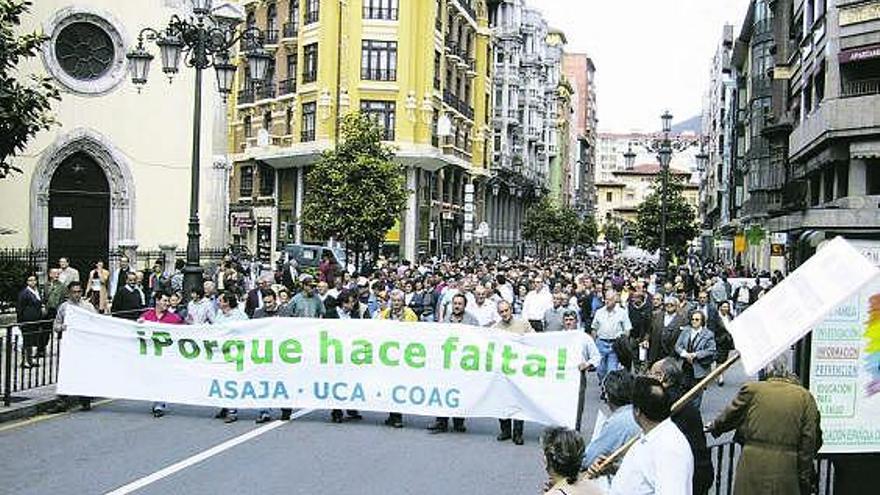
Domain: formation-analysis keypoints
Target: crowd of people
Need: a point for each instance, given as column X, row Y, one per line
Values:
column 649, row 340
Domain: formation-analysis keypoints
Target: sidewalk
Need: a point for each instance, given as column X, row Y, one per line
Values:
column 28, row 403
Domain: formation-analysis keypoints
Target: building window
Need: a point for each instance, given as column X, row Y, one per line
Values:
column 829, row 186
column 608, row 197
column 311, row 14
column 246, row 123
column 310, row 63
column 843, row 180
column 84, row 50
column 438, row 21
column 308, row 122
column 288, row 121
column 437, row 69
column 872, row 177
column 272, row 24
column 379, row 60
column 246, row 182
column 267, row 122
column 267, row 180
column 380, row 9
column 383, row 113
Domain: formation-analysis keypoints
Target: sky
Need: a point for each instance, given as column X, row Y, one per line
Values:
column 650, row 55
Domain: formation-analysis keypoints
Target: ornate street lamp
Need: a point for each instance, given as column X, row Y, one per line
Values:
column 203, row 41
column 664, row 155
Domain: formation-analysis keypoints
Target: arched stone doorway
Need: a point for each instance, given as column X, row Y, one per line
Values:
column 95, row 153
column 79, row 212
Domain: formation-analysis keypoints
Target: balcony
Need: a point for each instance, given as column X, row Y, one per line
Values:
column 291, row 30
column 310, row 17
column 465, row 6
column 835, row 118
column 861, row 87
column 266, row 91
column 286, row 87
column 452, row 52
column 245, row 96
column 271, row 36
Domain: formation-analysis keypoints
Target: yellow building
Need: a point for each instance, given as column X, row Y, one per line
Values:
column 420, row 68
column 114, row 174
column 619, row 199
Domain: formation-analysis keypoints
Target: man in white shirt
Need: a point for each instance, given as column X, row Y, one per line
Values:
column 610, row 322
column 536, row 303
column 68, row 273
column 484, row 310
column 660, row 462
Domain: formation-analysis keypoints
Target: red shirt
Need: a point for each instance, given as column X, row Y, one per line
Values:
column 167, row 317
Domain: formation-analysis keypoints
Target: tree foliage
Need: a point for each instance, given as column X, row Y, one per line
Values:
column 612, row 232
column 546, row 225
column 357, row 190
column 681, row 225
column 24, row 104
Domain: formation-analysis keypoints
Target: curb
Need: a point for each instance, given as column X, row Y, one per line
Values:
column 27, row 408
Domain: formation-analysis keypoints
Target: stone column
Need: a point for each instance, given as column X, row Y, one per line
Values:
column 218, row 234
column 169, row 256
column 300, row 180
column 857, row 185
column 410, row 217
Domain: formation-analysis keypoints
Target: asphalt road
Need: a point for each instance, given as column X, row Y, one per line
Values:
column 119, row 443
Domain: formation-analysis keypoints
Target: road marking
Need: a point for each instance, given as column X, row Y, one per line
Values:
column 45, row 417
column 191, row 461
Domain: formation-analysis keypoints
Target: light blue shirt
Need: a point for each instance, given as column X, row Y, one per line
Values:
column 618, row 429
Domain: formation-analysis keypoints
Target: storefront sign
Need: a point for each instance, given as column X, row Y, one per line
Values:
column 859, row 54
column 242, row 219
column 860, row 13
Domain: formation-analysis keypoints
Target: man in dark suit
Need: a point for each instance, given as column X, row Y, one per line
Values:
column 255, row 296
column 696, row 346
column 289, row 275
column 129, row 299
column 665, row 330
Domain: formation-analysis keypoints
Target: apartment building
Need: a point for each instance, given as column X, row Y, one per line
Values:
column 421, row 69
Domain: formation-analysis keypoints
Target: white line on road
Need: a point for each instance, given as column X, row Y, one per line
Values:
column 190, row 461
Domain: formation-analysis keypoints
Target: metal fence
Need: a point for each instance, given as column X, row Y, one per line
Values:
column 15, row 265
column 18, row 372
column 726, row 455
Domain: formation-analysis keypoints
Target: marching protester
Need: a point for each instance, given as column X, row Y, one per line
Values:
column 665, row 331
column 563, row 450
column 536, row 303
column 456, row 315
column 552, row 320
column 129, row 300
column 199, row 310
column 688, row 419
column 520, row 327
column 609, row 322
column 75, row 299
column 777, row 422
column 660, row 462
column 397, row 311
column 723, row 340
column 160, row 314
column 621, row 425
column 696, row 347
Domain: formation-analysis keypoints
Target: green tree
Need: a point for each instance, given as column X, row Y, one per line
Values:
column 357, row 191
column 548, row 225
column 586, row 232
column 24, row 104
column 612, row 232
column 681, row 225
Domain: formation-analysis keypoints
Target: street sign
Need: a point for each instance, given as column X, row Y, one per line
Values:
column 469, row 207
column 469, row 218
column 779, row 238
column 468, row 197
column 777, row 249
column 468, row 236
column 469, row 188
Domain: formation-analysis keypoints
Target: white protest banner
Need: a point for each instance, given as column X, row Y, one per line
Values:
column 414, row 368
column 792, row 308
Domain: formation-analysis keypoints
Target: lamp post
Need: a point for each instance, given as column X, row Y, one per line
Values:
column 203, row 41
column 664, row 155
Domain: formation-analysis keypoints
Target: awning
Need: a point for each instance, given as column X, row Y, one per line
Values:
column 864, row 149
